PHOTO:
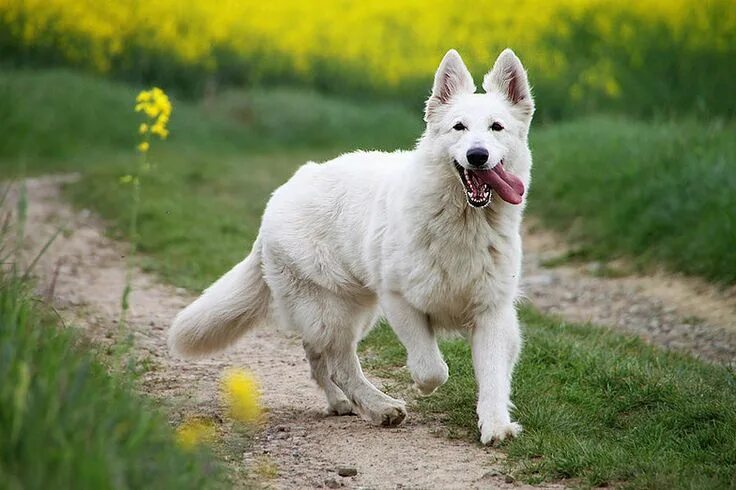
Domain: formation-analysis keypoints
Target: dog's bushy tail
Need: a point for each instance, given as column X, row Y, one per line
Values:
column 236, row 302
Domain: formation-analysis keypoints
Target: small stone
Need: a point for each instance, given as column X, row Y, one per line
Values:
column 509, row 479
column 346, row 471
column 490, row 474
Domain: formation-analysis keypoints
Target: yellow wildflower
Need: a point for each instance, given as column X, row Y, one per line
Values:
column 242, row 396
column 194, row 432
column 157, row 107
column 151, row 110
column 154, row 103
column 144, row 96
column 160, row 130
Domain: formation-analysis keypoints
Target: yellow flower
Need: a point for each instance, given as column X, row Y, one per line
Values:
column 143, row 147
column 143, row 128
column 160, row 130
column 155, row 103
column 242, row 396
column 144, row 96
column 194, row 432
column 151, row 110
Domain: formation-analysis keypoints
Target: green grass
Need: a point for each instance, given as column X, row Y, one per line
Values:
column 661, row 193
column 597, row 407
column 66, row 422
column 58, row 119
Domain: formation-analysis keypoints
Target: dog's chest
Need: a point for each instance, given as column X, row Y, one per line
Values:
column 457, row 272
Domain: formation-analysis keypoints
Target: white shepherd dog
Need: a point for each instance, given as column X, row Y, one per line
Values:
column 429, row 239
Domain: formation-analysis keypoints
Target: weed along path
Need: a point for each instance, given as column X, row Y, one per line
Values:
column 298, row 447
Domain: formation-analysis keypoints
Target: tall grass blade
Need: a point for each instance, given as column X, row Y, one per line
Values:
column 41, row 252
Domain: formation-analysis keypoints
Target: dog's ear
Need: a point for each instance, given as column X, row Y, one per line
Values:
column 452, row 78
column 508, row 77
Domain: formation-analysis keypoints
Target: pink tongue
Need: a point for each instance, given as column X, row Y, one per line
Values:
column 508, row 186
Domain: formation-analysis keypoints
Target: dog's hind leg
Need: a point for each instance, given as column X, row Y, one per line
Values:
column 344, row 366
column 337, row 402
column 331, row 328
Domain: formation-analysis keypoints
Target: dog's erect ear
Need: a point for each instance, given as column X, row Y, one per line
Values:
column 452, row 78
column 508, row 78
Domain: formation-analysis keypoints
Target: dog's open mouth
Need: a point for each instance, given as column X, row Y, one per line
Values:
column 480, row 184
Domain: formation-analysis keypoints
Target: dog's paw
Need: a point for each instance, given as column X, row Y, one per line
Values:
column 393, row 416
column 388, row 413
column 341, row 407
column 491, row 433
column 428, row 376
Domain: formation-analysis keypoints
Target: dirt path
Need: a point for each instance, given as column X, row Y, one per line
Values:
column 679, row 313
column 305, row 446
column 86, row 270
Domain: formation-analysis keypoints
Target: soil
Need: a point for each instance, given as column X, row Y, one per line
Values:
column 676, row 312
column 83, row 273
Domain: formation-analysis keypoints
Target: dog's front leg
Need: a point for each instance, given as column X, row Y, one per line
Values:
column 424, row 359
column 496, row 342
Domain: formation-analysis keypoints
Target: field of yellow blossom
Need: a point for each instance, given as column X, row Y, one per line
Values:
column 642, row 57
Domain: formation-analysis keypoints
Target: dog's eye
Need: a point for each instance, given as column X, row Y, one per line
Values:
column 459, row 127
column 496, row 127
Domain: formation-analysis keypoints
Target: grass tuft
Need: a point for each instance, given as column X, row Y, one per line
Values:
column 660, row 192
column 66, row 420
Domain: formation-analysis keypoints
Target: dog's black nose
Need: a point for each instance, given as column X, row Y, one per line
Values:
column 477, row 157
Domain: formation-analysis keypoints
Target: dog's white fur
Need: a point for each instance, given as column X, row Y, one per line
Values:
column 370, row 233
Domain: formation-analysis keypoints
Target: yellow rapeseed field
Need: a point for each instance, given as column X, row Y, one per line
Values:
column 383, row 43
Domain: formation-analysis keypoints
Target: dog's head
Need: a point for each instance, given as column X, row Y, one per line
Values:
column 482, row 135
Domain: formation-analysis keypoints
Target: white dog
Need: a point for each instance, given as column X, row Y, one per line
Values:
column 427, row 238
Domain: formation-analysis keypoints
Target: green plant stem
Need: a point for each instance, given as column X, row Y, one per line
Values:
column 133, row 238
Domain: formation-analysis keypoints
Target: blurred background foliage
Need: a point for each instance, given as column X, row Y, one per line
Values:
column 650, row 57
